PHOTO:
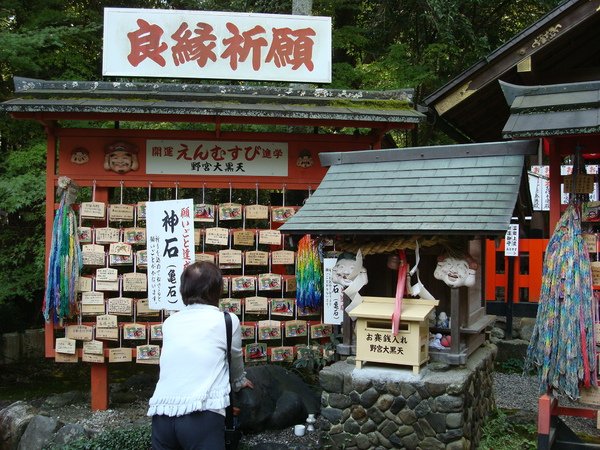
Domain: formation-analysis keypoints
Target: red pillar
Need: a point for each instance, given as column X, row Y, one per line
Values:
column 99, row 386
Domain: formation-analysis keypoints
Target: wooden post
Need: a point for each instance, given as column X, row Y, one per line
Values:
column 455, row 321
column 99, row 386
column 545, row 429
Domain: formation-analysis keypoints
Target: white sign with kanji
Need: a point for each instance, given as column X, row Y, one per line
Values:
column 511, row 240
column 221, row 45
column 170, row 245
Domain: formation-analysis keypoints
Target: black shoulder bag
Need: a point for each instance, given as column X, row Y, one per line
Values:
column 233, row 435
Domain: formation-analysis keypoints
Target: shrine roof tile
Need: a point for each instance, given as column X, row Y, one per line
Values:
column 458, row 189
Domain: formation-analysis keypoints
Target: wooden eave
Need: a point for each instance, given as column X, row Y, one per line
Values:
column 561, row 47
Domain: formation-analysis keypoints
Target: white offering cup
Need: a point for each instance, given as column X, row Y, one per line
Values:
column 299, row 430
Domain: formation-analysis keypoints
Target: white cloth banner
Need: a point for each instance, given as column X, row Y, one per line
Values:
column 333, row 295
column 170, row 244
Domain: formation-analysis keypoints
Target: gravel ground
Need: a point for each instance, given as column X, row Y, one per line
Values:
column 517, row 392
column 512, row 391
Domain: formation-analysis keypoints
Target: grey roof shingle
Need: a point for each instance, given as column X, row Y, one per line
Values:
column 459, row 189
column 552, row 110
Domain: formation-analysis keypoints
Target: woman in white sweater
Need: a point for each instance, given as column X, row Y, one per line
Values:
column 188, row 405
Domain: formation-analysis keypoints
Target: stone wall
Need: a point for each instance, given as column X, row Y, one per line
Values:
column 384, row 407
column 15, row 347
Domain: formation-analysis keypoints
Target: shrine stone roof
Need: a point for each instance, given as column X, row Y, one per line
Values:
column 441, row 190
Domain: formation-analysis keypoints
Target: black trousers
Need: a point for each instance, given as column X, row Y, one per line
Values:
column 200, row 430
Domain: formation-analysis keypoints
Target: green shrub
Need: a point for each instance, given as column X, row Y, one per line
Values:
column 499, row 433
column 131, row 438
column 511, row 365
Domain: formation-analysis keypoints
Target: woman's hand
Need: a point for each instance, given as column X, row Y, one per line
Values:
column 247, row 384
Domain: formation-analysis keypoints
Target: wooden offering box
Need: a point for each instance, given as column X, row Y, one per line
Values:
column 375, row 341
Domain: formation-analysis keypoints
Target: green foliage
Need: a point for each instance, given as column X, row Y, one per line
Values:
column 511, row 365
column 133, row 438
column 22, row 204
column 312, row 359
column 499, row 433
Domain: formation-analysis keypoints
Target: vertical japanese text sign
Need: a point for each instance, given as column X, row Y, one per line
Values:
column 170, row 244
column 222, row 45
column 511, row 240
column 333, row 295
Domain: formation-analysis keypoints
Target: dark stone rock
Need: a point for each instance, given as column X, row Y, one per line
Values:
column 427, row 429
column 68, row 433
column 368, row 427
column 339, row 401
column 438, row 367
column 411, row 441
column 354, row 397
column 423, row 391
column 450, row 435
column 383, row 440
column 350, row 426
column 437, row 421
column 456, row 389
column 387, row 428
column 422, row 409
column 331, row 381
column 376, row 415
column 407, row 416
column 64, row 399
column 279, row 399
column 413, row 400
column 404, row 430
column 361, row 385
column 395, row 440
column 436, row 389
column 333, row 415
column 408, row 390
column 358, row 413
column 394, row 388
column 38, row 433
column 431, row 443
column 362, row 442
column 384, row 402
column 397, row 405
column 342, row 440
column 13, row 422
column 449, row 403
column 454, row 420
column 369, row 397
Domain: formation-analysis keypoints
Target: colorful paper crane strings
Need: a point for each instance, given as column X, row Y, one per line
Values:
column 64, row 263
column 562, row 347
column 309, row 274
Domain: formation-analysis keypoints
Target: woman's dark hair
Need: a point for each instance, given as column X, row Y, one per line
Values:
column 201, row 282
